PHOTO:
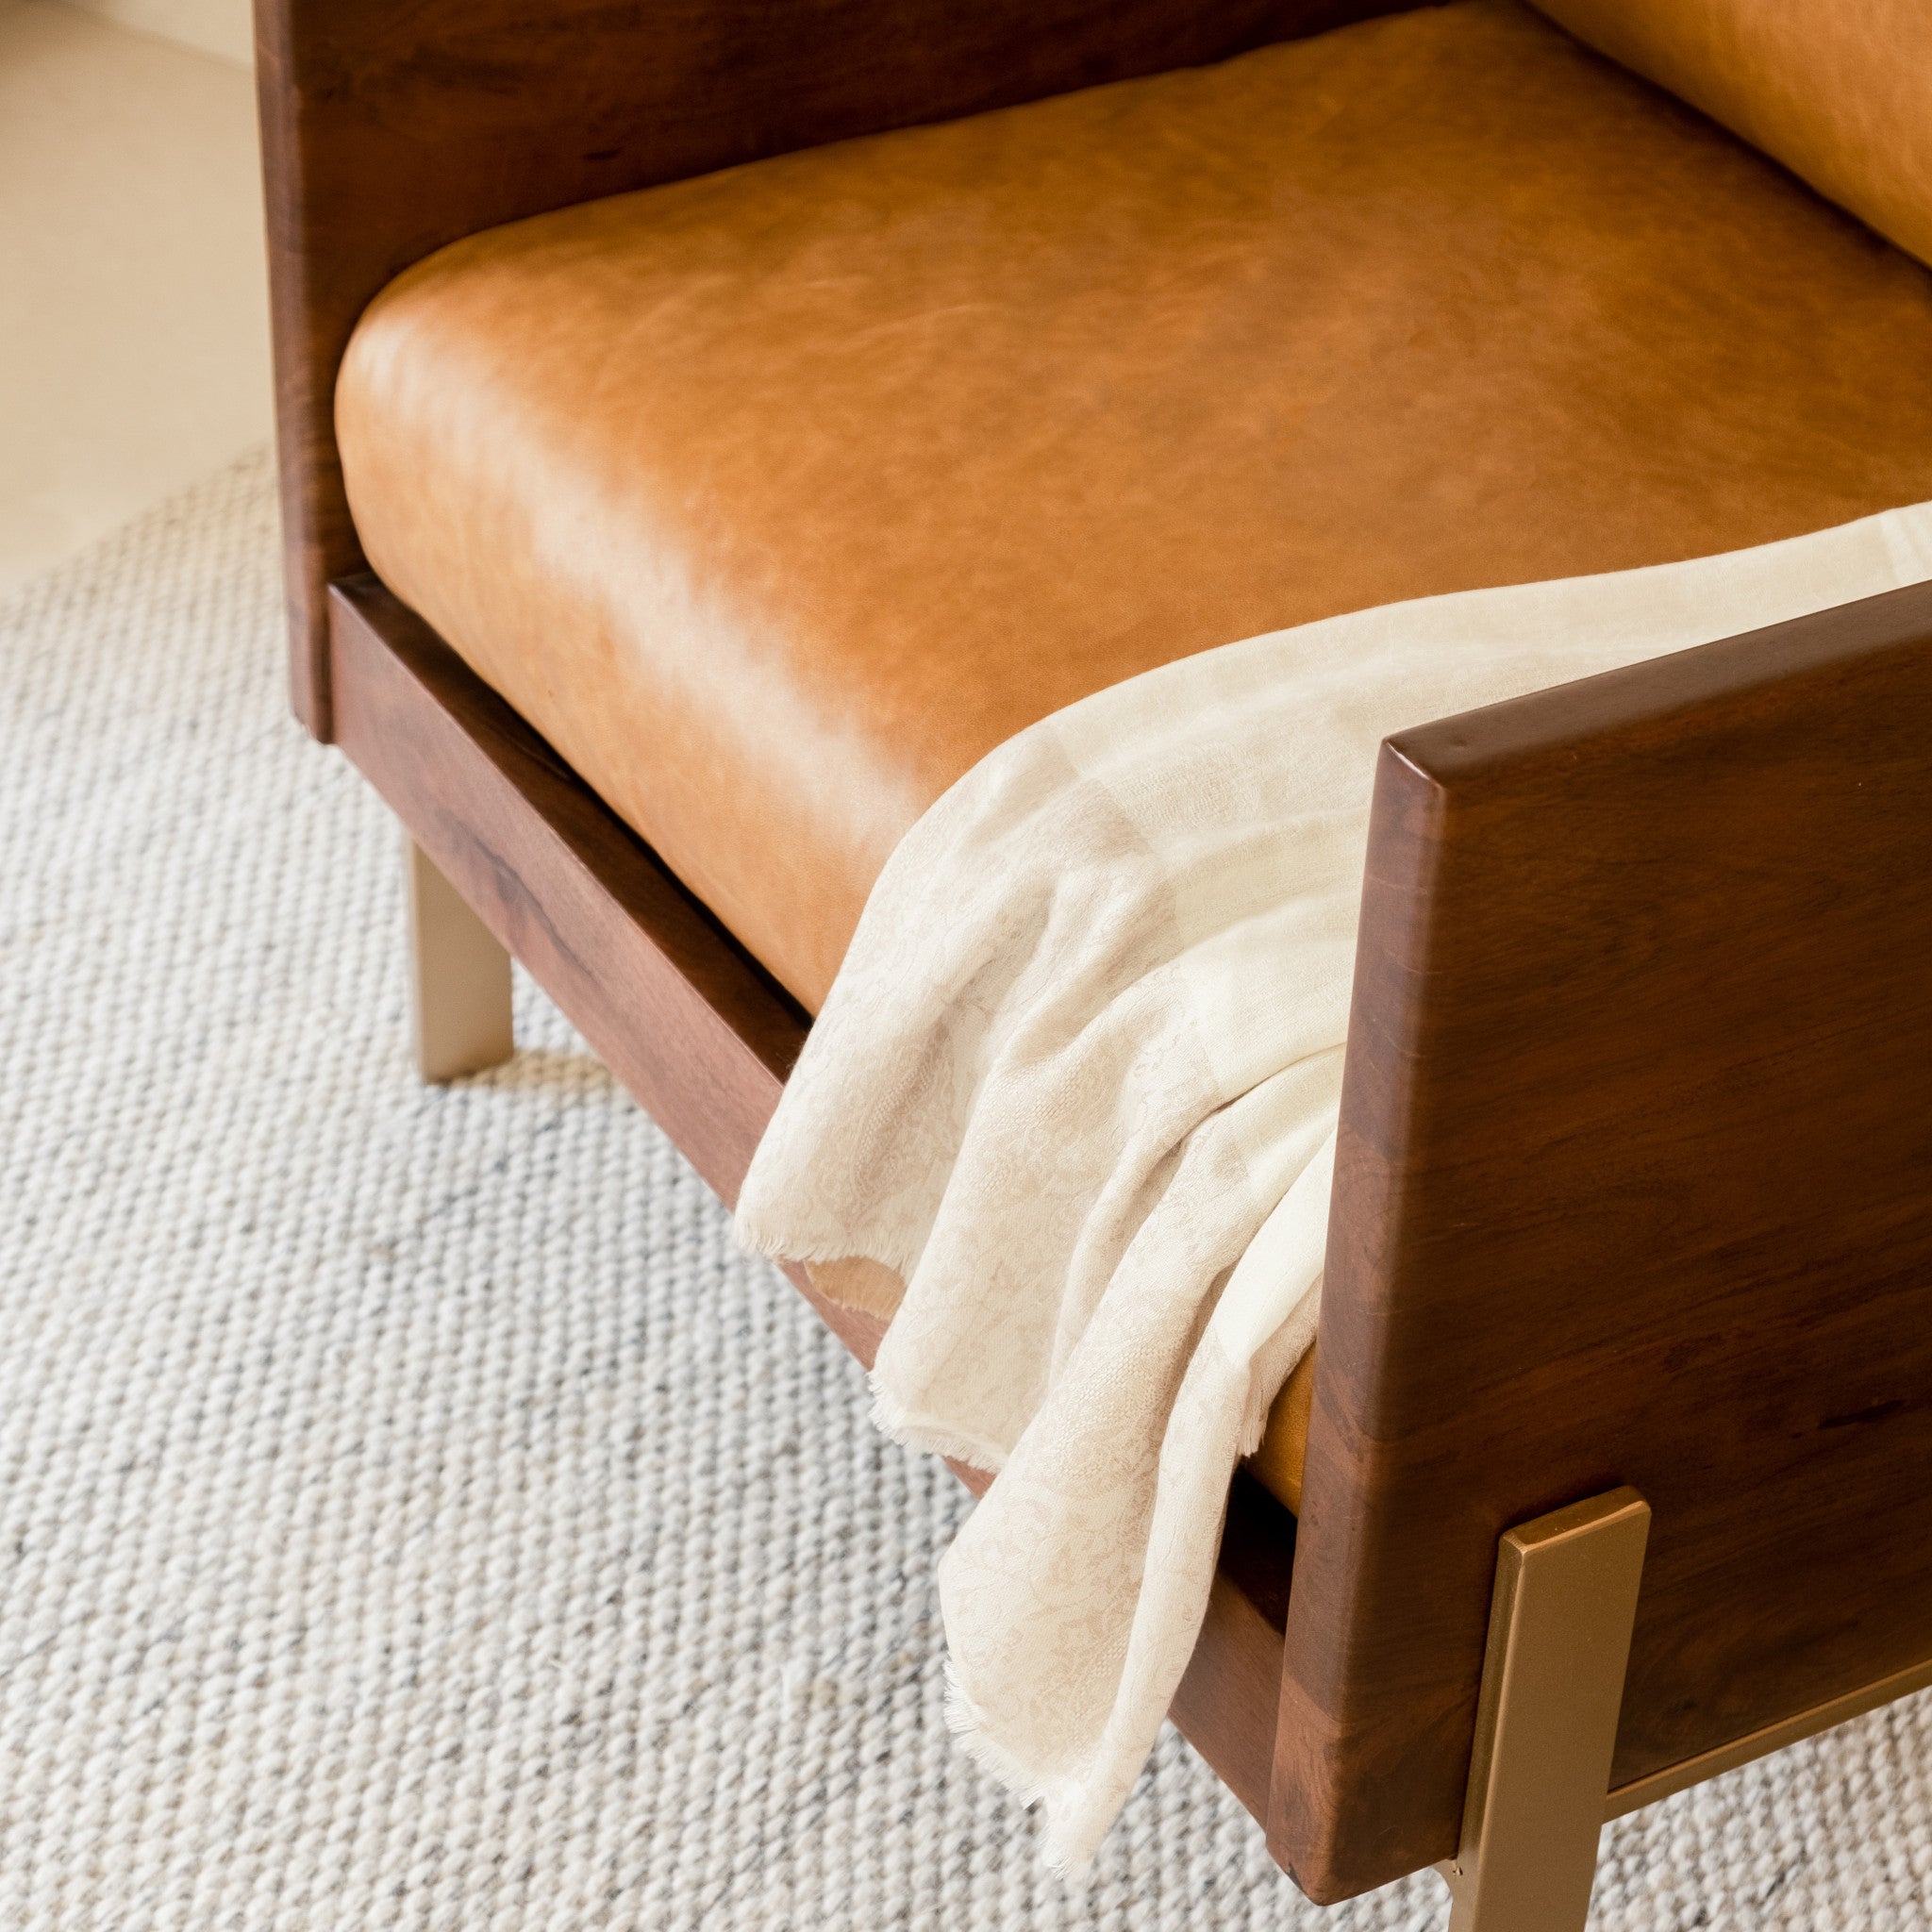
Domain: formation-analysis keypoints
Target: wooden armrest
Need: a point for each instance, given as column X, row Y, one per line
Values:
column 390, row 129
column 1634, row 1186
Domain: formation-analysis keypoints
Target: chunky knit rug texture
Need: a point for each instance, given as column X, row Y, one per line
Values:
column 416, row 1513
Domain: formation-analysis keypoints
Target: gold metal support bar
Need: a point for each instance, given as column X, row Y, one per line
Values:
column 460, row 984
column 1546, row 1725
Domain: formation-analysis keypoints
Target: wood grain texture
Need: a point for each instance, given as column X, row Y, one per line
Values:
column 695, row 1030
column 391, row 127
column 1635, row 1186
column 1225, row 1706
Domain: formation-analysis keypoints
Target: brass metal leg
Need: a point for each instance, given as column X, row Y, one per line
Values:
column 459, row 991
column 1546, row 1727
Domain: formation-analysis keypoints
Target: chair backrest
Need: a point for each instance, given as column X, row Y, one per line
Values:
column 1838, row 91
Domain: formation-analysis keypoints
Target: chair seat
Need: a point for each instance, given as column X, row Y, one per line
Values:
column 777, row 498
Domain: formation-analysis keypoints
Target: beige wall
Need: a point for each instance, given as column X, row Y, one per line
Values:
column 215, row 26
column 133, row 303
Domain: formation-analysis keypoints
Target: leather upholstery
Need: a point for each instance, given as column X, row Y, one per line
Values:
column 1282, row 1459
column 1840, row 91
column 777, row 498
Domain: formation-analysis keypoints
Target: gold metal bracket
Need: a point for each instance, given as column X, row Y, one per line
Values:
column 1547, row 1725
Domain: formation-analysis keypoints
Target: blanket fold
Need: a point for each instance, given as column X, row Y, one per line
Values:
column 1068, row 1115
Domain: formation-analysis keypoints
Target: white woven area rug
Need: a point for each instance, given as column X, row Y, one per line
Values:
column 413, row 1512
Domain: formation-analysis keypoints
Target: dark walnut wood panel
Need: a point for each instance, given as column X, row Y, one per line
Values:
column 696, row 1031
column 390, row 129
column 1635, row 1186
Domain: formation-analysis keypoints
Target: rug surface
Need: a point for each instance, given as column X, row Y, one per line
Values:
column 415, row 1512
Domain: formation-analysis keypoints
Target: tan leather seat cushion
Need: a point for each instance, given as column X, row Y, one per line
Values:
column 1839, row 90
column 778, row 497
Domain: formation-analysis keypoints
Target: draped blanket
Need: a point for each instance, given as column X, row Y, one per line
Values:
column 1068, row 1114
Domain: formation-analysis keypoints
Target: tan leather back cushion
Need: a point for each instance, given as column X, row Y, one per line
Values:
column 1838, row 91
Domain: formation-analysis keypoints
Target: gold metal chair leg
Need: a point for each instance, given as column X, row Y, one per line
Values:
column 1547, row 1726
column 460, row 986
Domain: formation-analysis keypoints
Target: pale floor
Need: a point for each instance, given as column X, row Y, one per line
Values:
column 133, row 297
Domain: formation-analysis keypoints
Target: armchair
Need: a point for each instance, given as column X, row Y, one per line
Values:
column 1627, row 1340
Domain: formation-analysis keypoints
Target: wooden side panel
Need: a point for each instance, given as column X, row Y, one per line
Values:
column 694, row 1029
column 1635, row 1187
column 391, row 127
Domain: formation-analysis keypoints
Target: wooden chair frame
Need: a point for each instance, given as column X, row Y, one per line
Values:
column 1633, row 1208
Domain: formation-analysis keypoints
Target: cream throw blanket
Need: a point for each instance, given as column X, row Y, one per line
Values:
column 1068, row 1113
